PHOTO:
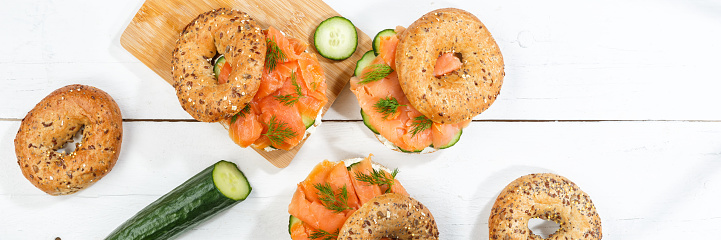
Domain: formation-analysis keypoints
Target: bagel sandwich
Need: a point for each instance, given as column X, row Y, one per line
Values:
column 264, row 87
column 356, row 199
column 419, row 87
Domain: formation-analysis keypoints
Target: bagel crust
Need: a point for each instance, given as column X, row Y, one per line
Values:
column 546, row 196
column 390, row 215
column 53, row 122
column 463, row 93
column 239, row 38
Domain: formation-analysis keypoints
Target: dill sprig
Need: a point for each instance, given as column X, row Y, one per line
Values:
column 290, row 99
column 387, row 106
column 336, row 202
column 378, row 177
column 420, row 124
column 377, row 72
column 273, row 54
column 323, row 235
column 242, row 113
column 278, row 131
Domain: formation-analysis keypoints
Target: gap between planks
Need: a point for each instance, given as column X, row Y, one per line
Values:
column 483, row 120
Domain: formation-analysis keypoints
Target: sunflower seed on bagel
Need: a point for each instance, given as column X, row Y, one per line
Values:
column 463, row 93
column 239, row 38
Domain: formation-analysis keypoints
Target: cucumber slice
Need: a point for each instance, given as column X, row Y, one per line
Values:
column 307, row 120
column 406, row 151
column 454, row 140
column 230, row 181
column 363, row 62
column 350, row 167
column 336, row 38
column 209, row 192
column 293, row 221
column 377, row 39
column 366, row 121
column 218, row 66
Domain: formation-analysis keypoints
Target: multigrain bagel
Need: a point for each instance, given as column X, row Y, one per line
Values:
column 459, row 95
column 390, row 215
column 546, row 196
column 53, row 122
column 222, row 31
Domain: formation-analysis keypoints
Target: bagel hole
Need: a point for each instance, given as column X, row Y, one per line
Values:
column 213, row 62
column 542, row 227
column 459, row 56
column 455, row 54
column 67, row 147
column 215, row 58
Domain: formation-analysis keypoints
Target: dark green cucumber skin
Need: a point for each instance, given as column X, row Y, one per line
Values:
column 377, row 39
column 368, row 56
column 367, row 123
column 217, row 67
column 189, row 204
column 454, row 141
column 292, row 219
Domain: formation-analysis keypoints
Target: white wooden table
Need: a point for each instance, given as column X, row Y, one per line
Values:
column 622, row 97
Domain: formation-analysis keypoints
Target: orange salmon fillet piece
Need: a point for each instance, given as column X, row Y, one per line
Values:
column 297, row 65
column 446, row 63
column 306, row 204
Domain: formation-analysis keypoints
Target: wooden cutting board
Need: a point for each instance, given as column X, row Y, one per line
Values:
column 152, row 33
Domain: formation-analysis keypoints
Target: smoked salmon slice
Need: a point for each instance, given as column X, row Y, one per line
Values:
column 249, row 123
column 307, row 206
column 315, row 214
column 446, row 63
column 294, row 89
column 406, row 128
column 365, row 191
column 388, row 50
column 301, row 231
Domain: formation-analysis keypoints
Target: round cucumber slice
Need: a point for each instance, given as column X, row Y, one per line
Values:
column 218, row 65
column 336, row 38
column 293, row 221
column 308, row 121
column 366, row 121
column 363, row 62
column 230, row 181
column 377, row 39
column 453, row 141
column 406, row 151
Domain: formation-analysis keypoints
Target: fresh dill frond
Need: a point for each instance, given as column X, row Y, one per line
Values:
column 378, row 177
column 335, row 202
column 377, row 72
column 323, row 235
column 278, row 131
column 290, row 99
column 420, row 124
column 273, row 54
column 387, row 106
column 242, row 113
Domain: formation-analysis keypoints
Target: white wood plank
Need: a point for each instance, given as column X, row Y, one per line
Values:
column 564, row 60
column 654, row 180
column 581, row 60
column 56, row 43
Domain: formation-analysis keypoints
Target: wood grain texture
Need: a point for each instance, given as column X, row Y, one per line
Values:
column 152, row 34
